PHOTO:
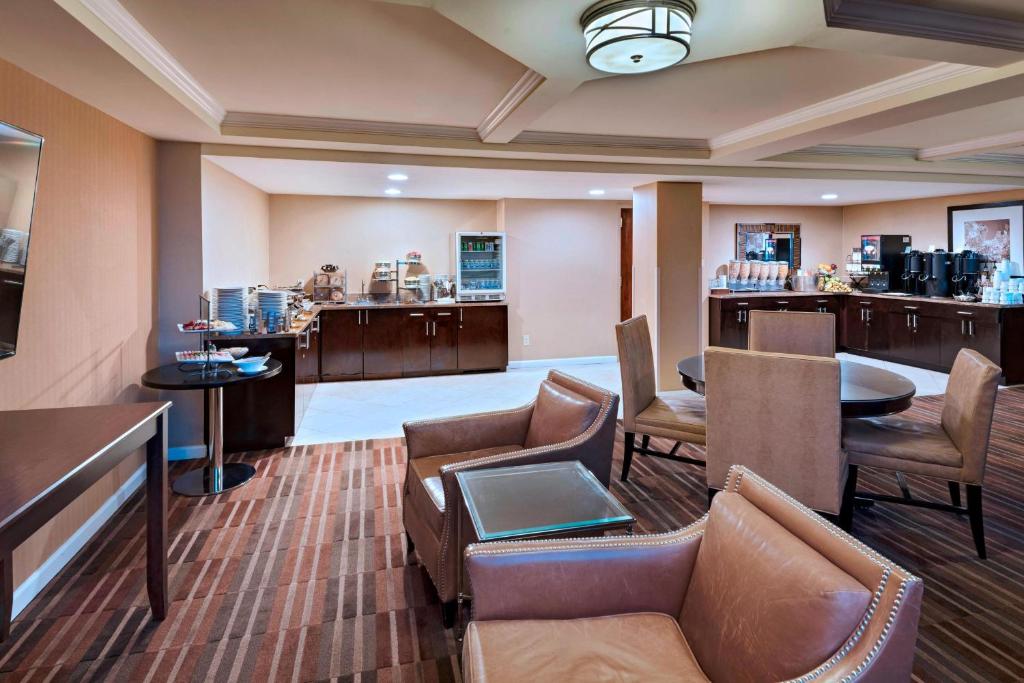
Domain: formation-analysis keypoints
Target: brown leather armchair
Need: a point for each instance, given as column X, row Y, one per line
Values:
column 569, row 420
column 760, row 589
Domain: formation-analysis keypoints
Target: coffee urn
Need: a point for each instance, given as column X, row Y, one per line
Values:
column 938, row 273
column 967, row 267
column 913, row 267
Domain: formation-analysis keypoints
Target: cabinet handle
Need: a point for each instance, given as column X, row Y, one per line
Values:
column 863, row 319
column 435, row 327
column 782, row 303
column 442, row 313
column 909, row 324
column 869, row 317
column 915, row 322
column 426, row 327
column 415, row 315
column 13, row 283
column 366, row 317
column 460, row 316
column 316, row 324
column 359, row 317
column 970, row 327
column 739, row 316
column 963, row 327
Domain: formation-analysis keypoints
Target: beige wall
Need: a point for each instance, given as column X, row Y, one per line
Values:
column 307, row 232
column 236, row 230
column 87, row 323
column 925, row 220
column 563, row 275
column 563, row 256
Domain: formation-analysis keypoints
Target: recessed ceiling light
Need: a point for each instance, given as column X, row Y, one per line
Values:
column 635, row 36
column 392, row 191
column 597, row 193
column 830, row 195
column 398, row 176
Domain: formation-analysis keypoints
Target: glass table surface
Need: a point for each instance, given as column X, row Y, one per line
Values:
column 538, row 500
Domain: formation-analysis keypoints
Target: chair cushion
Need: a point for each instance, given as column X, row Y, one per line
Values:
column 674, row 412
column 425, row 487
column 625, row 647
column 914, row 441
column 762, row 605
column 559, row 415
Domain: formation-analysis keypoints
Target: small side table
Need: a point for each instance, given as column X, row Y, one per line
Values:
column 215, row 477
column 550, row 500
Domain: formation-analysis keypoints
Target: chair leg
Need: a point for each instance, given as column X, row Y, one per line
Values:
column 645, row 441
column 448, row 611
column 627, row 454
column 977, row 522
column 849, row 494
column 409, row 545
column 954, row 493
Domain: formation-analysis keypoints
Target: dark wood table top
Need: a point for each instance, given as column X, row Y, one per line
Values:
column 865, row 391
column 40, row 449
column 178, row 376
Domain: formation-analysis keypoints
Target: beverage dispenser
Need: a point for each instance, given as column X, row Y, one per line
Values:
column 967, row 267
column 912, row 270
column 938, row 273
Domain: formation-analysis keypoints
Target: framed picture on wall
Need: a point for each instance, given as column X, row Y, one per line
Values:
column 994, row 230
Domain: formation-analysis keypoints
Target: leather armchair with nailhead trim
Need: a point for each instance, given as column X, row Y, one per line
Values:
column 569, row 420
column 759, row 589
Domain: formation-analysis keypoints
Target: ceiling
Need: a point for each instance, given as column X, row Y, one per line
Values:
column 769, row 84
column 300, row 176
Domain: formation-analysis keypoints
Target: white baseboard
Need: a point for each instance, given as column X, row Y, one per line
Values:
column 186, row 452
column 558, row 362
column 34, row 584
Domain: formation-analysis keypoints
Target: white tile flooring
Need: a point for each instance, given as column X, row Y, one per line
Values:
column 349, row 411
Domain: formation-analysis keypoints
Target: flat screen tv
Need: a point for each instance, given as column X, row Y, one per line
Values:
column 19, row 172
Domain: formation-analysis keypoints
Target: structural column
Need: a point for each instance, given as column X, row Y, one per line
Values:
column 668, row 232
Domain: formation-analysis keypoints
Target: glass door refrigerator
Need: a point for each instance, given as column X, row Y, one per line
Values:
column 480, row 260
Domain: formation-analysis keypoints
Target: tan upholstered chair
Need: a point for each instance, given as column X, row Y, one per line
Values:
column 780, row 415
column 804, row 333
column 760, row 589
column 677, row 415
column 955, row 448
column 569, row 420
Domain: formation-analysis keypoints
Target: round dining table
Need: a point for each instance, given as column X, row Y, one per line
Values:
column 216, row 476
column 865, row 391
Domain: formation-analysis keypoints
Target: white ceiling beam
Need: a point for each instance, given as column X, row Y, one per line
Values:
column 501, row 124
column 116, row 27
column 932, row 91
column 991, row 143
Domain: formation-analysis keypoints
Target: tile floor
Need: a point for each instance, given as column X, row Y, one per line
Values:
column 350, row 411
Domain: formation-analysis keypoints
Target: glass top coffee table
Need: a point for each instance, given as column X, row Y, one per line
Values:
column 551, row 500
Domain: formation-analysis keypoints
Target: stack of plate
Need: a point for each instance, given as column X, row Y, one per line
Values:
column 272, row 302
column 12, row 246
column 229, row 305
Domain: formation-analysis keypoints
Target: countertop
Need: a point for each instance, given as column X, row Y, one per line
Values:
column 299, row 326
column 888, row 297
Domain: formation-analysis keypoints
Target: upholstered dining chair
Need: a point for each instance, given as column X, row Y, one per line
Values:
column 676, row 415
column 953, row 448
column 800, row 332
column 759, row 589
column 780, row 415
column 569, row 420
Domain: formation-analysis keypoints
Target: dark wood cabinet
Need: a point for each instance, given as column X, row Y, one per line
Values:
column 482, row 337
column 858, row 320
column 262, row 414
column 341, row 344
column 444, row 337
column 382, row 342
column 729, row 318
column 415, row 343
column 307, row 351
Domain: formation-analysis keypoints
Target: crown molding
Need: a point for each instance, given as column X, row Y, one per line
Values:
column 251, row 121
column 993, row 158
column 536, row 137
column 915, row 80
column 973, row 148
column 517, row 94
column 902, row 18
column 873, row 152
column 113, row 24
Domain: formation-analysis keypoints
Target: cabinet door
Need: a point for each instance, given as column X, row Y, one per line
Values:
column 901, row 332
column 444, row 354
column 482, row 337
column 341, row 344
column 416, row 344
column 382, row 343
column 855, row 325
column 954, row 335
column 927, row 339
column 984, row 338
column 733, row 332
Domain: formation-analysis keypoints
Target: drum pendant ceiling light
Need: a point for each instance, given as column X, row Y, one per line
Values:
column 636, row 36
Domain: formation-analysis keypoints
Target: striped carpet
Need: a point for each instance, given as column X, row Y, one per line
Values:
column 301, row 576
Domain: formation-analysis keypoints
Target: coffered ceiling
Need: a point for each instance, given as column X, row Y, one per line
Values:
column 827, row 86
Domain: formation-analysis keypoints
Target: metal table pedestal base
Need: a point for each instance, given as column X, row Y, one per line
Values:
column 204, row 481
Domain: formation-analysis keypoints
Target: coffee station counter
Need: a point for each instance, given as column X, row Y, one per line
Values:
column 922, row 331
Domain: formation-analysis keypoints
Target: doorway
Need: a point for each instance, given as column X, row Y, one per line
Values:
column 626, row 265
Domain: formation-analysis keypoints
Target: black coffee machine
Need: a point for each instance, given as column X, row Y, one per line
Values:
column 967, row 268
column 937, row 274
column 913, row 268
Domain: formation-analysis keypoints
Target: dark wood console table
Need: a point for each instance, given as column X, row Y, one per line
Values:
column 50, row 457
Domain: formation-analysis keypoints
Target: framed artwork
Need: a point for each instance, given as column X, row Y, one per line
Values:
column 994, row 230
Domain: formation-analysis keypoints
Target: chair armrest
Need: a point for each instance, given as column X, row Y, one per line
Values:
column 587, row 577
column 882, row 648
column 467, row 432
